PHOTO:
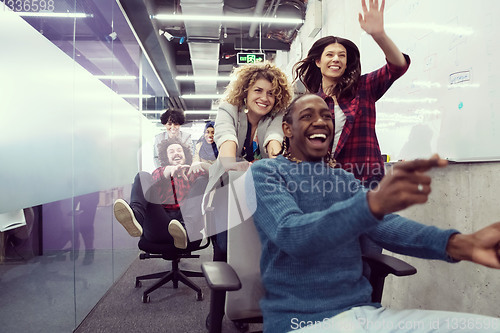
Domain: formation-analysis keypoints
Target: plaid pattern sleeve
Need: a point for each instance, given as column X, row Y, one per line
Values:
column 173, row 191
column 358, row 150
column 183, row 186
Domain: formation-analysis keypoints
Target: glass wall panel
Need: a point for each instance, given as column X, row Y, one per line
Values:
column 71, row 137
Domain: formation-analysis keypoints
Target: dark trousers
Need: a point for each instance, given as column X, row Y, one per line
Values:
column 153, row 217
column 191, row 208
column 219, row 238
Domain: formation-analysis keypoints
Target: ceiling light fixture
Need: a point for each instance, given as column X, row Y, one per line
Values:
column 205, row 61
column 135, row 96
column 202, row 96
column 153, row 112
column 201, row 112
column 49, row 14
column 202, row 78
column 244, row 19
column 115, row 77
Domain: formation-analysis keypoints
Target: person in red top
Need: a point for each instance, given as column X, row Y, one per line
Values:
column 158, row 196
column 332, row 70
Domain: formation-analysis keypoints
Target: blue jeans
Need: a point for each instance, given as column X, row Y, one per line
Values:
column 369, row 319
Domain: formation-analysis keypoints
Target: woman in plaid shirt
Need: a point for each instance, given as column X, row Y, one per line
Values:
column 158, row 196
column 332, row 70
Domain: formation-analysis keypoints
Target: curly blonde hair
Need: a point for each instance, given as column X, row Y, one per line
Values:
column 246, row 76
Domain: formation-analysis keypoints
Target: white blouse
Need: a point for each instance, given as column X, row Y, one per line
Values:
column 339, row 124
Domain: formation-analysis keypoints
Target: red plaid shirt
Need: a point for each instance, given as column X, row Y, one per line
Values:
column 358, row 150
column 171, row 191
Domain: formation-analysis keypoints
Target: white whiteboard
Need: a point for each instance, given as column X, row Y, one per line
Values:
column 447, row 101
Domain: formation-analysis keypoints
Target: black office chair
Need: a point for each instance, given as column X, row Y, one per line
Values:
column 175, row 274
column 236, row 286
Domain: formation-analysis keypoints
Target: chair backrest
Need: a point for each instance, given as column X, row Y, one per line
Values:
column 243, row 250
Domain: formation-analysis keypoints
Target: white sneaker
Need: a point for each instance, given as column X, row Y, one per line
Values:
column 125, row 216
column 178, row 232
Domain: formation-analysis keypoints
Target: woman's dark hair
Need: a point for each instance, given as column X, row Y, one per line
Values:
column 162, row 151
column 173, row 115
column 309, row 74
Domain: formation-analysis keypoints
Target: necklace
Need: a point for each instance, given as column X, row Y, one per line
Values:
column 293, row 159
column 329, row 161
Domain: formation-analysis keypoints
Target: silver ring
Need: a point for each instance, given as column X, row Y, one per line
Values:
column 420, row 187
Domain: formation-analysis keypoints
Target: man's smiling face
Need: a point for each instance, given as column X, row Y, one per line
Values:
column 310, row 132
column 175, row 154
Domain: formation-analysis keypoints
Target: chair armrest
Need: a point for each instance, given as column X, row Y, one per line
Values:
column 380, row 266
column 203, row 246
column 384, row 264
column 220, row 276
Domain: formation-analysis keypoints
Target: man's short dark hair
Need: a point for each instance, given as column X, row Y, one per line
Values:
column 173, row 115
column 287, row 116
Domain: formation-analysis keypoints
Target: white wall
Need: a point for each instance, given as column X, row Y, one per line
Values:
column 464, row 197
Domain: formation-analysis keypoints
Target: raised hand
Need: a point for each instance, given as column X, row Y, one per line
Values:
column 481, row 247
column 176, row 171
column 372, row 19
column 198, row 168
column 404, row 185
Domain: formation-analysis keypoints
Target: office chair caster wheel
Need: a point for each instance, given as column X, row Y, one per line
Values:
column 199, row 297
column 138, row 284
column 146, row 299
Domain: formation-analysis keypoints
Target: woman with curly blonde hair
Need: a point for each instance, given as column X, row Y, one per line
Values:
column 244, row 77
column 248, row 122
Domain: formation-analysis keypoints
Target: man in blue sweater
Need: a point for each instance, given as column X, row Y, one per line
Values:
column 309, row 218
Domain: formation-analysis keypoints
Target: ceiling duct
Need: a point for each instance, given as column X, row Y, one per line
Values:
column 203, row 41
column 259, row 7
column 138, row 13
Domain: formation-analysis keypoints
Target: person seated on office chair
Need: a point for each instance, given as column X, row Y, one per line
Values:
column 158, row 196
column 172, row 119
column 309, row 217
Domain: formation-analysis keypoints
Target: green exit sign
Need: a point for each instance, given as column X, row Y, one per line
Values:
column 250, row 58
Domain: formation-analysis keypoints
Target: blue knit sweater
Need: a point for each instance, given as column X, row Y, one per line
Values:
column 309, row 218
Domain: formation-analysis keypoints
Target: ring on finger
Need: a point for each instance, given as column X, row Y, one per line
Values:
column 420, row 187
